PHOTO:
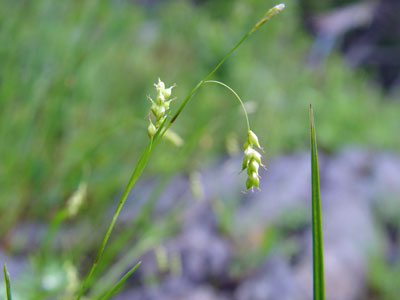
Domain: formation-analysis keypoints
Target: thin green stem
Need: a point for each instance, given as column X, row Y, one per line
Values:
column 201, row 82
column 237, row 97
column 135, row 175
column 155, row 140
column 198, row 85
column 120, row 282
column 268, row 16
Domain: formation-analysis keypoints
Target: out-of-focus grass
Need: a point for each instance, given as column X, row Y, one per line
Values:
column 75, row 75
column 119, row 284
column 384, row 267
column 384, row 277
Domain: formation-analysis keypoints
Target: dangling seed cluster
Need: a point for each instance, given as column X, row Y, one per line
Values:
column 252, row 160
column 159, row 107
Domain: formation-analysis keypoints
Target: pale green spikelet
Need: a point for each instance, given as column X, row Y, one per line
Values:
column 160, row 107
column 253, row 139
column 151, row 130
column 252, row 181
column 269, row 15
column 252, row 160
column 77, row 199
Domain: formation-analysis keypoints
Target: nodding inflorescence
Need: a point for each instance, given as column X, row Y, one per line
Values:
column 159, row 107
column 252, row 160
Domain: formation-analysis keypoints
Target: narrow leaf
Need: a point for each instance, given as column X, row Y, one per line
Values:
column 318, row 251
column 114, row 288
column 7, row 282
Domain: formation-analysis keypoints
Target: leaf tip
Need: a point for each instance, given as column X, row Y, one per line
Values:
column 311, row 116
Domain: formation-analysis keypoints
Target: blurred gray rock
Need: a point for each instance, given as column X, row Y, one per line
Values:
column 172, row 289
column 273, row 281
column 358, row 189
column 15, row 265
column 350, row 181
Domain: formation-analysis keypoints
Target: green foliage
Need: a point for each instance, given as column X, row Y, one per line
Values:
column 384, row 277
column 384, row 267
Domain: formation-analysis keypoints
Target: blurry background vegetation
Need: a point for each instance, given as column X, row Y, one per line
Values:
column 74, row 76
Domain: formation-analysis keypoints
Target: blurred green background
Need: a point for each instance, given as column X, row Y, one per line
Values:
column 74, row 76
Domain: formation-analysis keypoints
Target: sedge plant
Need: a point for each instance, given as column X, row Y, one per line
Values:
column 160, row 110
column 160, row 121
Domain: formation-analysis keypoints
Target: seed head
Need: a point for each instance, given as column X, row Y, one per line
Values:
column 252, row 160
column 159, row 107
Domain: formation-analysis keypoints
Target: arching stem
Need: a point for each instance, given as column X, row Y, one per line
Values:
column 237, row 97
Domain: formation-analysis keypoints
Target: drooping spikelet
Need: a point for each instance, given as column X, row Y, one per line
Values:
column 252, row 160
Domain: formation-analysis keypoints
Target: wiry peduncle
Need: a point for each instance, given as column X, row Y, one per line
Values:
column 236, row 96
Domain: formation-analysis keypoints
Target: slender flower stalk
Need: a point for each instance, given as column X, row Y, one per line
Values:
column 155, row 138
column 236, row 96
column 252, row 158
column 268, row 16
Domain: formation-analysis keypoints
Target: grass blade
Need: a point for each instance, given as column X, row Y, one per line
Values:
column 120, row 282
column 318, row 250
column 134, row 177
column 7, row 282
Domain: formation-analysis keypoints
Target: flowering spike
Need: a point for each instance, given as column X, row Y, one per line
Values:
column 159, row 107
column 252, row 160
